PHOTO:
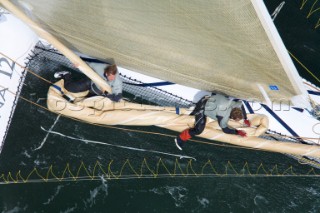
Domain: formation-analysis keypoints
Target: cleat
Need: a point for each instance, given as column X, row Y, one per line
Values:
column 61, row 74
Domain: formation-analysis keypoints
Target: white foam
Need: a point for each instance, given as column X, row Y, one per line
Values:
column 70, row 209
column 15, row 209
column 178, row 193
column 258, row 199
column 54, row 195
column 96, row 191
column 203, row 201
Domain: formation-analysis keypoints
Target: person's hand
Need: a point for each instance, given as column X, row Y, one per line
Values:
column 247, row 123
column 241, row 133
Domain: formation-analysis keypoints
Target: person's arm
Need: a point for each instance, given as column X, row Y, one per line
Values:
column 117, row 86
column 224, row 126
column 116, row 90
column 223, row 123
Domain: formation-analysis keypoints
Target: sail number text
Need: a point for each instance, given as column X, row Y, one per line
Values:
column 6, row 71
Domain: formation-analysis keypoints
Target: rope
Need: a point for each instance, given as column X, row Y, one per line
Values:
column 144, row 171
column 297, row 60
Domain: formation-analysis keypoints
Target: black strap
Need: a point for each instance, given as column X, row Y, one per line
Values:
column 200, row 106
column 62, row 93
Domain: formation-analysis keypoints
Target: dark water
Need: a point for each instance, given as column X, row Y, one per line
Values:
column 165, row 192
column 300, row 33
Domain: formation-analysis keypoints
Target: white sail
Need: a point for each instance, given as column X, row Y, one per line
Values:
column 220, row 45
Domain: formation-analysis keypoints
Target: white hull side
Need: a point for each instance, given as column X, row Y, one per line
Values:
column 16, row 42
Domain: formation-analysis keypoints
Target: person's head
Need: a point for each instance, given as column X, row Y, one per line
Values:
column 236, row 114
column 110, row 72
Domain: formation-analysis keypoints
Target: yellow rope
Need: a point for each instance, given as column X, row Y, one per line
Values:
column 144, row 171
column 315, row 77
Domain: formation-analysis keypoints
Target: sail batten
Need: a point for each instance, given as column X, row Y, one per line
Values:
column 209, row 45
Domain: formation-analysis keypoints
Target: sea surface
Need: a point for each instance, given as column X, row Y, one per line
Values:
column 79, row 167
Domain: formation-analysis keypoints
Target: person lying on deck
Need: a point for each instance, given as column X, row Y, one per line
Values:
column 110, row 74
column 217, row 107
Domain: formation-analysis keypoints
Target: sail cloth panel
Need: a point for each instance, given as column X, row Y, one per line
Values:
column 210, row 45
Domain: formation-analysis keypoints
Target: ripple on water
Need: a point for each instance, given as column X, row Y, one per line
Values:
column 25, row 153
column 260, row 200
column 312, row 190
column 71, row 209
column 203, row 201
column 16, row 209
column 54, row 195
column 95, row 192
column 178, row 193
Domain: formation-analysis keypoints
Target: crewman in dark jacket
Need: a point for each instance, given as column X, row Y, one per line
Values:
column 218, row 107
column 109, row 73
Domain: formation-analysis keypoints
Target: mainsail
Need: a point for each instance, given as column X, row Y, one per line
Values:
column 221, row 45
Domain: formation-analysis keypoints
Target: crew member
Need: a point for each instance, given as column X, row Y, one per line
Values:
column 110, row 74
column 217, row 107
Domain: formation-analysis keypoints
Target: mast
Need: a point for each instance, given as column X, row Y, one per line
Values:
column 76, row 60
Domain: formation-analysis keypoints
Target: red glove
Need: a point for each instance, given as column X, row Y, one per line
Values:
column 241, row 133
column 247, row 122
